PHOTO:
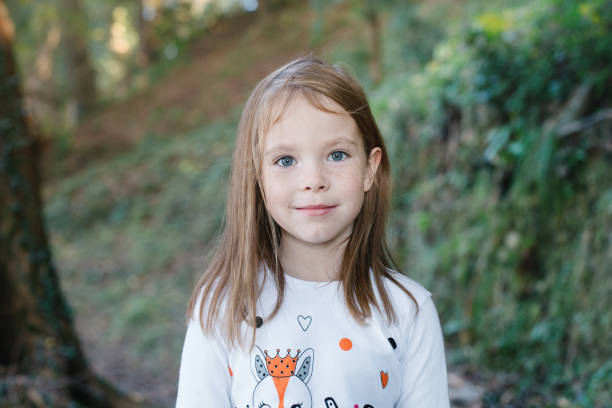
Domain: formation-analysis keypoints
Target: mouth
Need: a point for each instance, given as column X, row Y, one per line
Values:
column 316, row 209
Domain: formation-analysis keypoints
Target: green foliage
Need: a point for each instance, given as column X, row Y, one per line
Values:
column 506, row 219
column 410, row 38
column 522, row 64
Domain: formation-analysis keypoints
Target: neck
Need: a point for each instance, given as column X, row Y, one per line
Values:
column 312, row 262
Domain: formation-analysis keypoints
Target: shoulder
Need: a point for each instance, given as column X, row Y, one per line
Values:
column 408, row 309
column 399, row 296
column 203, row 299
column 213, row 293
column 417, row 320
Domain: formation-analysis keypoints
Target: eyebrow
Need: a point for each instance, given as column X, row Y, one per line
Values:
column 286, row 147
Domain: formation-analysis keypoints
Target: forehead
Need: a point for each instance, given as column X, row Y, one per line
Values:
column 310, row 115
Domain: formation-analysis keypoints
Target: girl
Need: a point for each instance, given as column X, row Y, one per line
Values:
column 300, row 306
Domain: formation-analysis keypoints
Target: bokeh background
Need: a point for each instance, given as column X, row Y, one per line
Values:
column 497, row 115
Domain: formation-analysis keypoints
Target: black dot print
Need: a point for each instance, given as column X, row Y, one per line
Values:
column 304, row 369
column 393, row 343
column 260, row 367
column 258, row 321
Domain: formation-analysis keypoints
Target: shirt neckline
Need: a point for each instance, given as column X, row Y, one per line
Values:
column 297, row 283
column 294, row 282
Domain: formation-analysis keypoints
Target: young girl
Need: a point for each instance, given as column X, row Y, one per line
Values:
column 300, row 306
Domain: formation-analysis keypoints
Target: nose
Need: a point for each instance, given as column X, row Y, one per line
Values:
column 315, row 178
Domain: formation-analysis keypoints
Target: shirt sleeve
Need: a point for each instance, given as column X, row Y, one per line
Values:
column 424, row 363
column 204, row 376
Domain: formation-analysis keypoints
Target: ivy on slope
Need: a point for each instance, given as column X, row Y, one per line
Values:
column 503, row 202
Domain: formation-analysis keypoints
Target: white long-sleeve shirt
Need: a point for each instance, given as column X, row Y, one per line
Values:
column 314, row 354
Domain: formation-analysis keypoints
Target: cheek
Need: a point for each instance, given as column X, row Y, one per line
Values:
column 273, row 188
column 276, row 194
column 354, row 193
column 352, row 183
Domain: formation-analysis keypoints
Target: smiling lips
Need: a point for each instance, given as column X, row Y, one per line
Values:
column 316, row 209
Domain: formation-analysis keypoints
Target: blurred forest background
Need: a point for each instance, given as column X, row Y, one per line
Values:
column 498, row 117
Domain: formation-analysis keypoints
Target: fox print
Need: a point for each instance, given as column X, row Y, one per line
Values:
column 282, row 381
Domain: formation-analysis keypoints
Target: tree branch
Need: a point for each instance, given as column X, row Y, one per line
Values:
column 585, row 123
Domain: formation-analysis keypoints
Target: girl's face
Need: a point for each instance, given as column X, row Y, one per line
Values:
column 314, row 158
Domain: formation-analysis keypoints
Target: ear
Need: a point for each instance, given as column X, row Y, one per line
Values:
column 371, row 168
column 304, row 365
column 258, row 365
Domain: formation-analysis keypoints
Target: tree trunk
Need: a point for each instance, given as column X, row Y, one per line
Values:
column 149, row 42
column 74, row 42
column 41, row 361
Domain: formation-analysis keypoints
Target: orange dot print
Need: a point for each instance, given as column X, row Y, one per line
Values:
column 230, row 370
column 346, row 344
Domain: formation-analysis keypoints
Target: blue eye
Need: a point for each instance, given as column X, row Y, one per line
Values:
column 285, row 161
column 338, row 154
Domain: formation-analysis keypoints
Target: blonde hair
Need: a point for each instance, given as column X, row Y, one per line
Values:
column 251, row 236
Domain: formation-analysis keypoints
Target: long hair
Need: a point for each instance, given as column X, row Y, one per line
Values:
column 230, row 285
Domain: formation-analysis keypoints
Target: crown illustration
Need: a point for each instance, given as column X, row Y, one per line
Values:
column 281, row 366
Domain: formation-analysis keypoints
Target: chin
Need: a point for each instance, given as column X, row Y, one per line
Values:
column 319, row 239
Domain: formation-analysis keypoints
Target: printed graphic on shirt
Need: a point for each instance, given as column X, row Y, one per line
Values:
column 384, row 378
column 304, row 322
column 331, row 403
column 345, row 344
column 282, row 381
